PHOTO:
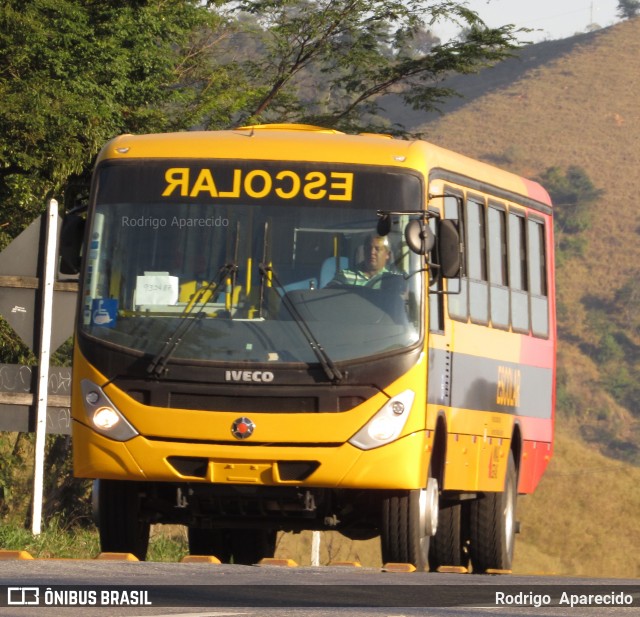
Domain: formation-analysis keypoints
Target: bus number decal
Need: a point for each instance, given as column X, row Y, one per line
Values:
column 508, row 390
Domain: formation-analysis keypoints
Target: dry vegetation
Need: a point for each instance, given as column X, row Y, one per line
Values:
column 579, row 109
column 565, row 103
column 582, row 521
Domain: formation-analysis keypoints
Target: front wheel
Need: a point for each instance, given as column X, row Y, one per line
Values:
column 409, row 519
column 493, row 525
column 119, row 518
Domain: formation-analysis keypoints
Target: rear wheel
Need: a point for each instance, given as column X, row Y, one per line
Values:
column 119, row 518
column 493, row 524
column 239, row 546
column 447, row 546
column 409, row 519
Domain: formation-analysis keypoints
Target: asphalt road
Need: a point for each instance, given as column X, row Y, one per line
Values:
column 115, row 588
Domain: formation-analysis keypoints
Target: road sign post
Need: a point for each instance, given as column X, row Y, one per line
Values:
column 44, row 353
column 41, row 311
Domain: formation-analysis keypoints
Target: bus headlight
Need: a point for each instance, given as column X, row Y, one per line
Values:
column 105, row 418
column 103, row 415
column 387, row 424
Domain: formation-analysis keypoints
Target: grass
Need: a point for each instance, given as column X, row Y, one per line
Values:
column 56, row 541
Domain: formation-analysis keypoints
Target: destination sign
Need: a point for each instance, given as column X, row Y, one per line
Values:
column 260, row 183
column 255, row 182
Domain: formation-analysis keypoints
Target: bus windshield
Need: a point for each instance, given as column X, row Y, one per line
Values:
column 250, row 270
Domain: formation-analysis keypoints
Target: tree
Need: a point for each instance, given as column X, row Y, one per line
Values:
column 354, row 51
column 573, row 193
column 74, row 74
column 628, row 8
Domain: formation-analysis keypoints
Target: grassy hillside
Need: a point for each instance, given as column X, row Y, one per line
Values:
column 579, row 108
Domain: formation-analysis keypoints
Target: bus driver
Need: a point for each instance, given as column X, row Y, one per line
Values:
column 377, row 254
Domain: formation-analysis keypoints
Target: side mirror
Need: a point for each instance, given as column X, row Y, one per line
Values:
column 419, row 237
column 449, row 248
column 71, row 236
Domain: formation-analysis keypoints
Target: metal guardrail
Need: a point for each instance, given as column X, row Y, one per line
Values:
column 17, row 401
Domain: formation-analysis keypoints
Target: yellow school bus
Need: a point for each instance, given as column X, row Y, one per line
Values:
column 287, row 328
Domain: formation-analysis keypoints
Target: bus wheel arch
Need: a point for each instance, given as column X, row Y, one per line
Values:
column 439, row 451
column 516, row 449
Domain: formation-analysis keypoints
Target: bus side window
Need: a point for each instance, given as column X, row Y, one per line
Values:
column 477, row 261
column 499, row 292
column 518, row 273
column 457, row 288
column 538, row 279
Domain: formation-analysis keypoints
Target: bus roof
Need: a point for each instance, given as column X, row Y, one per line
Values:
column 301, row 142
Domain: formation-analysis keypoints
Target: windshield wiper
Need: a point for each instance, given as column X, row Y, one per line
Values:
column 157, row 366
column 329, row 367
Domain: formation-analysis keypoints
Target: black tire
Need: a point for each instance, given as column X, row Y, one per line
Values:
column 447, row 546
column 404, row 538
column 119, row 510
column 239, row 546
column 493, row 524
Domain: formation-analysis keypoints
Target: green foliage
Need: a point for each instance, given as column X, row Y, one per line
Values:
column 61, row 540
column 573, row 195
column 74, row 74
column 57, row 540
column 12, row 349
column 627, row 300
column 628, row 8
column 63, row 495
column 567, row 404
column 327, row 61
column 616, row 326
column 11, row 472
